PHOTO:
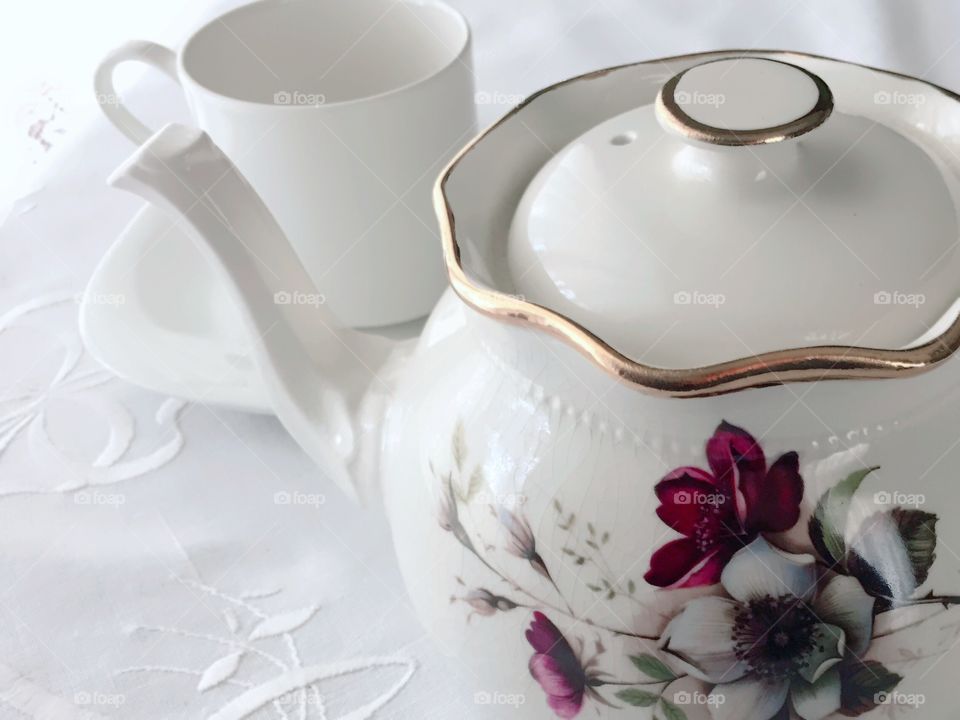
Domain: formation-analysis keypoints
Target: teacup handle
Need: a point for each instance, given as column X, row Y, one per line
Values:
column 151, row 53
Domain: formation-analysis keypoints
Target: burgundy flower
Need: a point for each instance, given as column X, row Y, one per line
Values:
column 556, row 667
column 721, row 510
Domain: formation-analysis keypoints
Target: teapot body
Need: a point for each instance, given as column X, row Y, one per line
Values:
column 582, row 547
column 584, row 540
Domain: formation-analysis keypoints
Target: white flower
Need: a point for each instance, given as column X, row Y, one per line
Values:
column 777, row 636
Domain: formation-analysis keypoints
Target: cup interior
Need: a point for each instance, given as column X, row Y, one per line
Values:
column 307, row 52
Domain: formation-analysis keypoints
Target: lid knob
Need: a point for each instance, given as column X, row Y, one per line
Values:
column 743, row 101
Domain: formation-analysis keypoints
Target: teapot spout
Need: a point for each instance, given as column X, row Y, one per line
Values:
column 327, row 383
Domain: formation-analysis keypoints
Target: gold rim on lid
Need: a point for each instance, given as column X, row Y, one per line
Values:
column 670, row 111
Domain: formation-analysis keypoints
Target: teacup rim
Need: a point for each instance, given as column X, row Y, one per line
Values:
column 466, row 39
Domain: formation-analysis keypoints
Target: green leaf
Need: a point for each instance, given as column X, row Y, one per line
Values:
column 861, row 683
column 829, row 522
column 892, row 553
column 918, row 529
column 637, row 697
column 631, row 587
column 671, row 711
column 652, row 667
column 459, row 446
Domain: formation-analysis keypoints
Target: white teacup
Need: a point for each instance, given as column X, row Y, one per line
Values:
column 340, row 113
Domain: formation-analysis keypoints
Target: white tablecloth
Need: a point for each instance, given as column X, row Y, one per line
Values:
column 148, row 566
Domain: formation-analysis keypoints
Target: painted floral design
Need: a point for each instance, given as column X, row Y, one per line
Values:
column 777, row 636
column 720, row 510
column 780, row 635
column 561, row 674
column 522, row 543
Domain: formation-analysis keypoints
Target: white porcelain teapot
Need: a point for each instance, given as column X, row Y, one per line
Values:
column 681, row 441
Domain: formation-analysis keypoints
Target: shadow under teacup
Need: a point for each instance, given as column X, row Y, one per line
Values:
column 340, row 113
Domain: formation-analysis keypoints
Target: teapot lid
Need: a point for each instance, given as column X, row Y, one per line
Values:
column 756, row 218
column 739, row 214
